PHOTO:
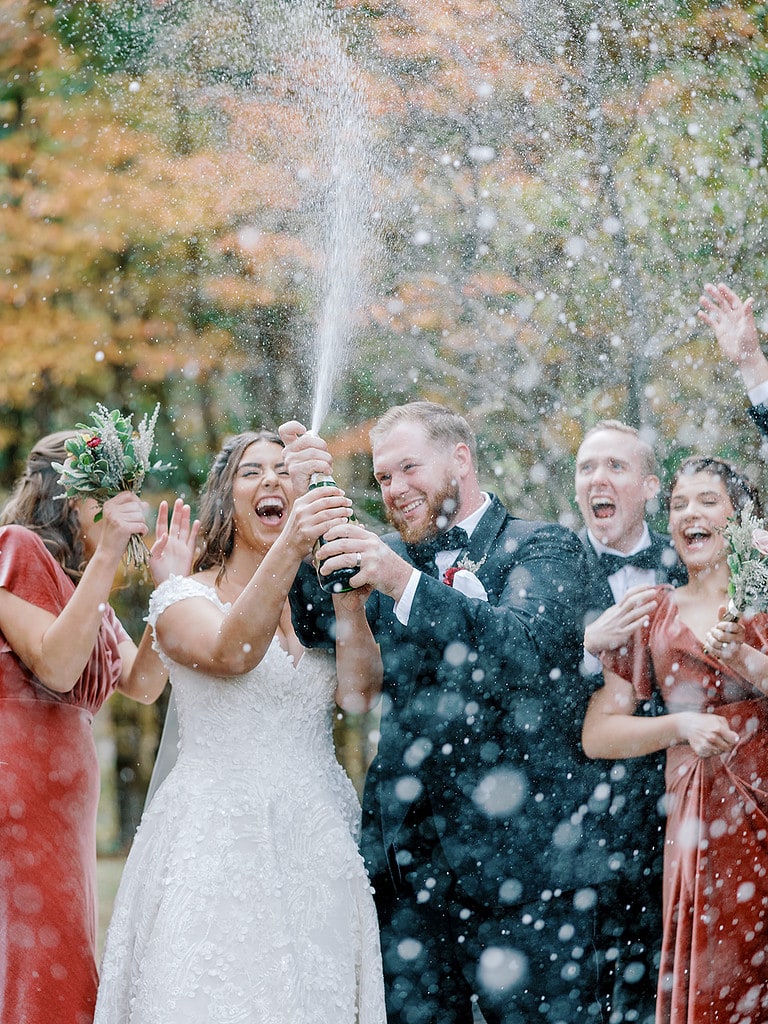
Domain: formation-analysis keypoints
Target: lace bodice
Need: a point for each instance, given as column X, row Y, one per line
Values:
column 277, row 711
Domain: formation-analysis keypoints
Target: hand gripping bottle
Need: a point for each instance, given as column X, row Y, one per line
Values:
column 338, row 581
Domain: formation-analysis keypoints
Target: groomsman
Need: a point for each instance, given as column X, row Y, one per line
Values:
column 484, row 824
column 615, row 479
column 734, row 325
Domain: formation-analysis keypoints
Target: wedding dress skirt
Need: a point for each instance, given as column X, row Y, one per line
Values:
column 244, row 897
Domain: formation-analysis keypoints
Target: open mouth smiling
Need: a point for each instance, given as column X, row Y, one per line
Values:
column 603, row 508
column 695, row 536
column 271, row 509
column 411, row 506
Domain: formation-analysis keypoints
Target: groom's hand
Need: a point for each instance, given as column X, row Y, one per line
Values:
column 305, row 454
column 378, row 566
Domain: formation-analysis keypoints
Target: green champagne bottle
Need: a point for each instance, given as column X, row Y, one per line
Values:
column 338, row 581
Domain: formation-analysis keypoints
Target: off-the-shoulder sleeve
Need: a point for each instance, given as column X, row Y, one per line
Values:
column 176, row 588
column 29, row 571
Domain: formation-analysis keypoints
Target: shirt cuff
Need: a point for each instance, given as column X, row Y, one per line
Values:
column 592, row 664
column 403, row 606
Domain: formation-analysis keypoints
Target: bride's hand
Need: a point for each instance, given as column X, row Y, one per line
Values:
column 313, row 514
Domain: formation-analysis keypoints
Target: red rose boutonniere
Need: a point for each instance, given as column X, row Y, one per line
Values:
column 449, row 574
column 463, row 563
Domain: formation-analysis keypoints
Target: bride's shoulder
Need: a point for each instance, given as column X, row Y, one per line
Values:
column 180, row 588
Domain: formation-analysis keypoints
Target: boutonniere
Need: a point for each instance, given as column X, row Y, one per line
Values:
column 463, row 563
column 461, row 577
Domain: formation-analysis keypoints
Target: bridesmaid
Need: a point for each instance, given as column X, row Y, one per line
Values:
column 713, row 677
column 62, row 653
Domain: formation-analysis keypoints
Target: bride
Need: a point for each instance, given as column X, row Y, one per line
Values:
column 244, row 897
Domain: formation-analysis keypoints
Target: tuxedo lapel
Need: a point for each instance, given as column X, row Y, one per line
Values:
column 485, row 535
column 599, row 593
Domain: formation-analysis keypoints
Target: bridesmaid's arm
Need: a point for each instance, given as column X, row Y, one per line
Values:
column 143, row 675
column 727, row 641
column 612, row 730
column 56, row 648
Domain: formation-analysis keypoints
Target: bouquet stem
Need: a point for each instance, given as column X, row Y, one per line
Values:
column 137, row 553
column 731, row 614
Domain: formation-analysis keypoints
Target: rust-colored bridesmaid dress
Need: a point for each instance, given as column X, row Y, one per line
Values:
column 49, row 789
column 714, row 966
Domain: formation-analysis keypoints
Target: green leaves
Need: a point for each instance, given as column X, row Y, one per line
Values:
column 107, row 458
column 748, row 585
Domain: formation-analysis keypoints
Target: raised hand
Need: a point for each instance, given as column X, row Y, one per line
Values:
column 174, row 548
column 734, row 325
column 617, row 623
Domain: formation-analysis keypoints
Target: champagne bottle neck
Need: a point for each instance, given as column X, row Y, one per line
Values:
column 321, row 480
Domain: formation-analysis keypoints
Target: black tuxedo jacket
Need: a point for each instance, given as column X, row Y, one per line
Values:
column 481, row 719
column 759, row 414
column 637, row 784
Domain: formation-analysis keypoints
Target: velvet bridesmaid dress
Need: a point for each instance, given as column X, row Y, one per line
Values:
column 714, row 967
column 49, row 790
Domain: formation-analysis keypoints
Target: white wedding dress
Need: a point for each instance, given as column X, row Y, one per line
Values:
column 244, row 899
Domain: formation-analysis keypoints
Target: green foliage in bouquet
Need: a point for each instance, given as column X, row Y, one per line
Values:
column 747, row 540
column 107, row 458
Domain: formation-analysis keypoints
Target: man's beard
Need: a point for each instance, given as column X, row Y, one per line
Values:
column 442, row 508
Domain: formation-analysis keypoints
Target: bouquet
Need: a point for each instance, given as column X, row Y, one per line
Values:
column 110, row 457
column 747, row 540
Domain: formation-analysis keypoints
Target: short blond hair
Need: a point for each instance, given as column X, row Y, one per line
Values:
column 645, row 451
column 441, row 425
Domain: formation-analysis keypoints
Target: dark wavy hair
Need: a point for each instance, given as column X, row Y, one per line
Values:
column 217, row 513
column 38, row 502
column 738, row 487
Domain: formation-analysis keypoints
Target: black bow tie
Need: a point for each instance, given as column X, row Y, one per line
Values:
column 423, row 554
column 645, row 559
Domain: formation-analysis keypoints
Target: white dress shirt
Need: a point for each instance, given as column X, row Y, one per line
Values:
column 620, row 581
column 443, row 560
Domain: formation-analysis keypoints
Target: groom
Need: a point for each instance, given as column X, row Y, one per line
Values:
column 482, row 819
